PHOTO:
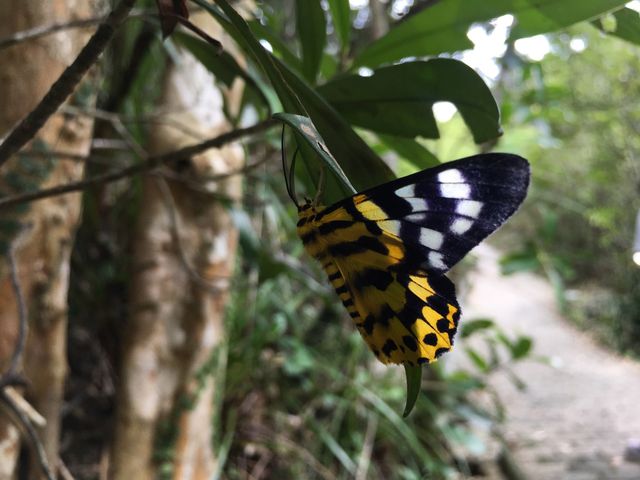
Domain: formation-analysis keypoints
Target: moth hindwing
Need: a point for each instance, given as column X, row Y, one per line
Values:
column 386, row 250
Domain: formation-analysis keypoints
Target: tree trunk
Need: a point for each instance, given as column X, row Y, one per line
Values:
column 183, row 258
column 47, row 229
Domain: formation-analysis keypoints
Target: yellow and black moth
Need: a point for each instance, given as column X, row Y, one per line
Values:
column 386, row 250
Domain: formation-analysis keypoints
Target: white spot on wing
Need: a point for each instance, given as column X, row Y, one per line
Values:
column 431, row 238
column 469, row 208
column 436, row 260
column 418, row 204
column 461, row 225
column 416, row 217
column 455, row 190
column 391, row 226
column 451, row 176
column 407, row 191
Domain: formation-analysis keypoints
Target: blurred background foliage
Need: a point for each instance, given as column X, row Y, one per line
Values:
column 299, row 393
column 576, row 111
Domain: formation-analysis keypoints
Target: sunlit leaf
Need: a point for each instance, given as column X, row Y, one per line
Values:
column 398, row 99
column 443, row 26
column 626, row 25
column 539, row 17
column 412, row 151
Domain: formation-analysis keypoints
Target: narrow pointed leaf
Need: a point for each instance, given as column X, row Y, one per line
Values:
column 311, row 27
column 341, row 16
column 310, row 135
column 414, row 380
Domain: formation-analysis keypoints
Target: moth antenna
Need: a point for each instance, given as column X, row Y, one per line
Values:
column 320, row 185
column 288, row 179
column 292, row 175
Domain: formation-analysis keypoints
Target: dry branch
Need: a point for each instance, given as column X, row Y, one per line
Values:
column 65, row 84
column 149, row 164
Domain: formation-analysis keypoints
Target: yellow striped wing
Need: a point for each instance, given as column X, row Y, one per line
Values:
column 385, row 251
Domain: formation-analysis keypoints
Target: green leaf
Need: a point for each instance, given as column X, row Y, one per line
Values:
column 309, row 134
column 477, row 359
column 626, row 25
column 299, row 359
column 242, row 34
column 334, row 447
column 443, row 26
column 414, row 380
column 398, row 99
column 256, row 251
column 543, row 17
column 341, row 16
column 411, row 150
column 521, row 347
column 524, row 261
column 351, row 152
column 221, row 64
column 311, row 26
column 297, row 97
column 470, row 327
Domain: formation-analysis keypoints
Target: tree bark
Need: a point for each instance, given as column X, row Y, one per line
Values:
column 183, row 258
column 27, row 71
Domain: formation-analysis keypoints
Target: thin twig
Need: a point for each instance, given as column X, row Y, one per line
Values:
column 364, row 459
column 191, row 183
column 115, row 121
column 44, row 154
column 11, row 375
column 28, row 428
column 49, row 29
column 65, row 84
column 65, row 474
column 149, row 164
column 23, row 414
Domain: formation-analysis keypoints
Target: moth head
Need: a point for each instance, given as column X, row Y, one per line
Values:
column 306, row 206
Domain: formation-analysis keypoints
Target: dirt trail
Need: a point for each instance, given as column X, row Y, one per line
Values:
column 577, row 414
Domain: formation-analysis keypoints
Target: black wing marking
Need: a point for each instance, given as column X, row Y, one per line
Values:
column 441, row 213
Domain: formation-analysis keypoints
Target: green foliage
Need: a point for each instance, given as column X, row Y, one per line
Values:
column 443, row 27
column 398, row 99
column 301, row 388
column 538, row 255
column 282, row 322
column 298, row 392
column 624, row 23
column 582, row 205
column 341, row 16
